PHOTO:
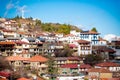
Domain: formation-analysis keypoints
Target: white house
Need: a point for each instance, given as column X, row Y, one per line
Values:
column 102, row 42
column 70, row 38
column 84, row 47
column 90, row 36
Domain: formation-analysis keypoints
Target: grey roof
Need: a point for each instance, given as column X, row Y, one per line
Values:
column 13, row 38
column 30, row 39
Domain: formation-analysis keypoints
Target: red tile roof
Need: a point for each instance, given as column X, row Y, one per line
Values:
column 85, row 66
column 83, row 41
column 69, row 66
column 21, row 42
column 23, row 78
column 3, row 79
column 22, row 33
column 89, row 32
column 109, row 50
column 38, row 58
column 16, row 58
column 107, row 64
column 93, row 32
column 40, row 78
column 4, row 74
column 5, row 42
column 101, row 39
column 72, row 46
column 40, row 34
column 110, row 79
column 5, row 30
column 101, row 70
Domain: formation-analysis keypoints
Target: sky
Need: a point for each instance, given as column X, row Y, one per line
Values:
column 85, row 14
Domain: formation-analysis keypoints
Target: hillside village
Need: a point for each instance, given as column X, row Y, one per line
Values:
column 34, row 54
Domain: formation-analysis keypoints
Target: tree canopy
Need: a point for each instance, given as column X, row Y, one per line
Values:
column 94, row 29
column 52, row 70
column 93, row 59
column 50, row 27
column 66, row 52
column 4, row 64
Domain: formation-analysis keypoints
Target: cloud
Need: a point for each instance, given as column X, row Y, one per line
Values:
column 15, row 5
column 82, row 27
column 111, row 37
column 8, row 7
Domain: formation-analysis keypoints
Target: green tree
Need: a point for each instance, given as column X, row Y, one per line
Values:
column 4, row 64
column 52, row 69
column 29, row 18
column 94, row 29
column 64, row 29
column 93, row 59
column 37, row 22
column 66, row 52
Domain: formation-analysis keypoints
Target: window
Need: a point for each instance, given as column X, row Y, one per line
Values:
column 64, row 72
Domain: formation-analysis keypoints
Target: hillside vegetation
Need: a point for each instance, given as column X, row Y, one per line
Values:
column 50, row 27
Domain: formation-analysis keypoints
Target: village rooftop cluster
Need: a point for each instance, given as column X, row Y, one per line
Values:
column 29, row 52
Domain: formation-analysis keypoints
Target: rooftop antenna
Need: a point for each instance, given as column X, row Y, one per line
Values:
column 23, row 13
column 22, row 10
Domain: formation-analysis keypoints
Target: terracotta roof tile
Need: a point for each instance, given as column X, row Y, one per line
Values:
column 3, row 79
column 89, row 32
column 38, row 58
column 22, row 33
column 93, row 32
column 21, row 42
column 72, row 46
column 4, row 42
column 101, row 39
column 83, row 41
column 101, row 70
column 40, row 78
column 107, row 64
column 106, row 49
column 5, row 30
column 110, row 79
column 85, row 66
column 23, row 78
column 16, row 58
column 69, row 66
column 4, row 74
